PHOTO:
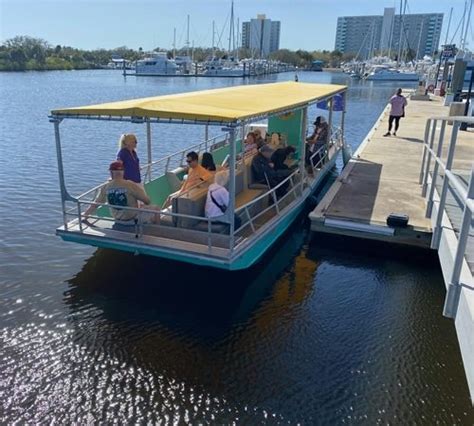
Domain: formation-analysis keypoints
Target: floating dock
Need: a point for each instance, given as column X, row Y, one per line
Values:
column 425, row 172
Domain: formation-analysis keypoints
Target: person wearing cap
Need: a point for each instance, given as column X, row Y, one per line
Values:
column 119, row 192
column 128, row 155
column 317, row 140
column 263, row 170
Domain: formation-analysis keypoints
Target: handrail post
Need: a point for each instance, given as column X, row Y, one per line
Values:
column 442, row 199
column 425, row 143
column 250, row 219
column 439, row 151
column 148, row 148
column 209, row 228
column 453, row 294
column 304, row 123
column 428, row 160
column 79, row 214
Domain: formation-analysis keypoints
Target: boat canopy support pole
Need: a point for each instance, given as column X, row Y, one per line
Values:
column 302, row 147
column 231, row 208
column 62, row 183
column 148, row 148
column 343, row 118
column 328, row 140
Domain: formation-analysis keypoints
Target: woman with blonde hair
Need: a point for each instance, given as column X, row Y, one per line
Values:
column 128, row 155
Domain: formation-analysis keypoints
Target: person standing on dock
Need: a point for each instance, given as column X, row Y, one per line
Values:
column 398, row 103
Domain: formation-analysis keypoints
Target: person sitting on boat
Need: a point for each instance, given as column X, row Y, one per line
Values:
column 250, row 142
column 316, row 141
column 120, row 192
column 207, row 162
column 259, row 139
column 196, row 174
column 128, row 155
column 279, row 157
column 217, row 200
column 263, row 170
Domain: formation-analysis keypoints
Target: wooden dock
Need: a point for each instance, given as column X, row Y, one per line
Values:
column 383, row 178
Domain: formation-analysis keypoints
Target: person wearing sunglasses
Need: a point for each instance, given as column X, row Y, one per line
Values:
column 196, row 174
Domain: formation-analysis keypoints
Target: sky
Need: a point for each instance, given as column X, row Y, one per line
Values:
column 91, row 24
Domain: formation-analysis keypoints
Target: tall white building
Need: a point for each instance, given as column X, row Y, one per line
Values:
column 419, row 32
column 261, row 35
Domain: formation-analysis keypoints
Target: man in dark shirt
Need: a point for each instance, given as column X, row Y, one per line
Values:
column 263, row 170
column 279, row 157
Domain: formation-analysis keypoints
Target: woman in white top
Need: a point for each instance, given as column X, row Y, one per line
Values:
column 217, row 199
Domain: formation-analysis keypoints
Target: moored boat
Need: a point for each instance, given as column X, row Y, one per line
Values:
column 184, row 233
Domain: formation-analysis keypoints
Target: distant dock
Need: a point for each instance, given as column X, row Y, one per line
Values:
column 425, row 172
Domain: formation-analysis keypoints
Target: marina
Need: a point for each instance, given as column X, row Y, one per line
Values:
column 315, row 330
column 236, row 213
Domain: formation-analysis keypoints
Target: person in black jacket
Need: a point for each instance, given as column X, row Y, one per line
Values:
column 279, row 157
column 263, row 170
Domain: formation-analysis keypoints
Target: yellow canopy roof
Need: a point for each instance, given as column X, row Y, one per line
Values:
column 223, row 105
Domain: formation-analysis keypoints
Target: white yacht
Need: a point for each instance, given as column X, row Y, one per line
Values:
column 156, row 64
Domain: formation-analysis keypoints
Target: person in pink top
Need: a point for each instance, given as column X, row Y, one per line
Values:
column 397, row 111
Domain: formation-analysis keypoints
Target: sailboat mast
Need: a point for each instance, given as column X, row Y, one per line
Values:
column 400, row 38
column 419, row 40
column 231, row 25
column 467, row 26
column 449, row 26
column 236, row 47
column 174, row 42
column 187, row 39
column 213, row 42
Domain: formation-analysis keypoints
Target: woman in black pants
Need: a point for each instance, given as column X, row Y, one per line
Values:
column 397, row 111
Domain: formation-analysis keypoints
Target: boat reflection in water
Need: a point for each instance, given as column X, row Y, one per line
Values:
column 192, row 339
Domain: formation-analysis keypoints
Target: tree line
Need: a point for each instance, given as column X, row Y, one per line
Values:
column 24, row 53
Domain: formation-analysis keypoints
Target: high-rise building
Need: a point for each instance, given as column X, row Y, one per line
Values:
column 365, row 35
column 261, row 35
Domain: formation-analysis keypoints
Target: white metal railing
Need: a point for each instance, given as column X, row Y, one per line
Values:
column 93, row 220
column 252, row 211
column 177, row 159
column 433, row 151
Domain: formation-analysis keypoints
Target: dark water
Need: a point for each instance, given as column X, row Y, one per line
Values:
column 320, row 332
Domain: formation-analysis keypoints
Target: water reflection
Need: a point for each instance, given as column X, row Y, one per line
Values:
column 198, row 333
